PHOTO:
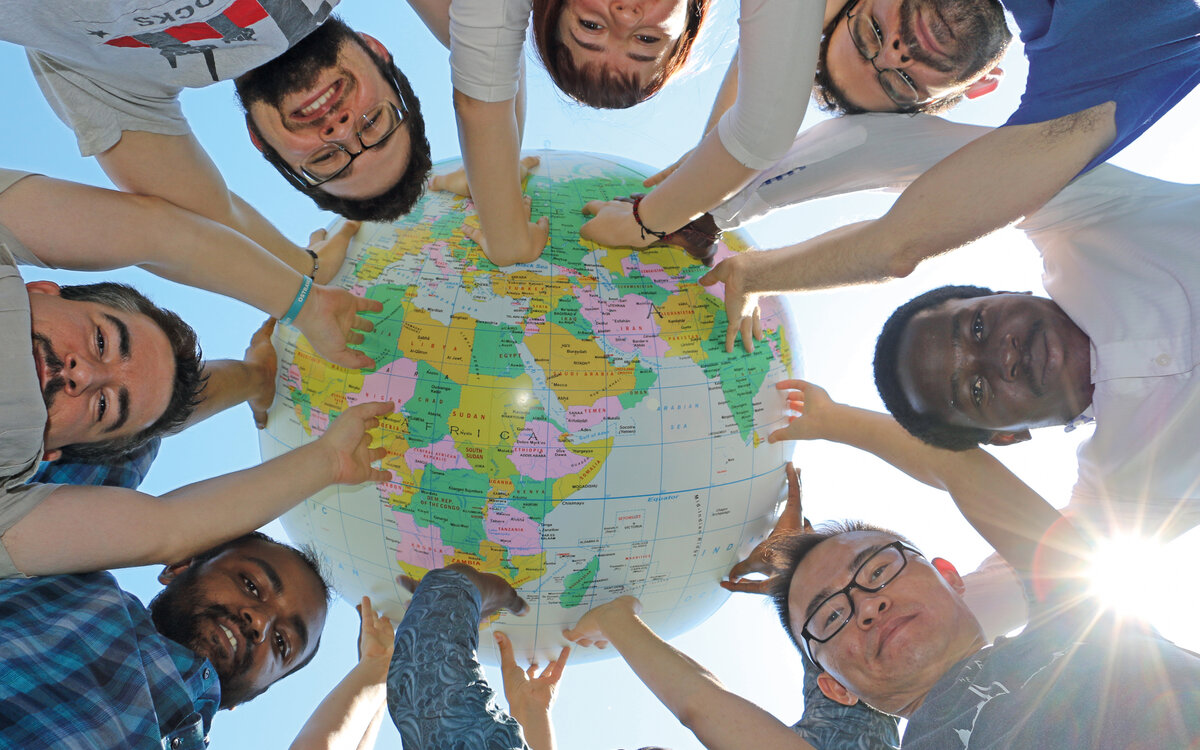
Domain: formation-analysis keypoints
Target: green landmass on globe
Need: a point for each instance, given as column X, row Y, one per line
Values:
column 572, row 424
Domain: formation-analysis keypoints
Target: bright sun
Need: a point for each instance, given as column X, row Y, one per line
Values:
column 1132, row 575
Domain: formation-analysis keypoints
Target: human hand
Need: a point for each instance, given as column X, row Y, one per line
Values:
column 762, row 558
column 613, row 225
column 331, row 320
column 741, row 306
column 515, row 250
column 495, row 593
column 376, row 637
column 456, row 181
column 348, row 444
column 331, row 249
column 658, row 177
column 527, row 691
column 260, row 360
column 590, row 630
column 816, row 412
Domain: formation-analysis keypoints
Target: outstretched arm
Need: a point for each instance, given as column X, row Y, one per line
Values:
column 349, row 716
column 85, row 228
column 1005, row 511
column 531, row 694
column 79, row 529
column 986, row 185
column 720, row 719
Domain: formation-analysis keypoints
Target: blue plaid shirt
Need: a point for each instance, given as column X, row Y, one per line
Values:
column 128, row 472
column 81, row 666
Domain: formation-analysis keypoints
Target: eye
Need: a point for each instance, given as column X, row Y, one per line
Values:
column 100, row 342
column 251, row 587
column 977, row 391
column 281, row 645
column 877, row 31
column 878, row 572
column 589, row 25
column 646, row 39
column 977, row 327
column 101, row 407
column 321, row 157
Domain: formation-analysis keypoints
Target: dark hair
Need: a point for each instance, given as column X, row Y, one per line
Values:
column 594, row 85
column 887, row 369
column 189, row 377
column 306, row 554
column 786, row 553
column 396, row 200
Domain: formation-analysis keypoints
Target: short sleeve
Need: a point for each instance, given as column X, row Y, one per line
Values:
column 778, row 42
column 487, row 39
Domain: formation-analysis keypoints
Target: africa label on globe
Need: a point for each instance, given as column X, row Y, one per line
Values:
column 572, row 424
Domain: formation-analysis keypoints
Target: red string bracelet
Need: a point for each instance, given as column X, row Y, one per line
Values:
column 638, row 218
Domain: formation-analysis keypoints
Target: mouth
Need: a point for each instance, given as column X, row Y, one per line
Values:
column 925, row 33
column 319, row 104
column 893, row 626
column 225, row 642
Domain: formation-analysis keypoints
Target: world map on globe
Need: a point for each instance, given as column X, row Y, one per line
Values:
column 573, row 424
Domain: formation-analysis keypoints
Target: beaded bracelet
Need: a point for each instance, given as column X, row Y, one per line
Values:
column 638, row 218
column 316, row 263
column 298, row 302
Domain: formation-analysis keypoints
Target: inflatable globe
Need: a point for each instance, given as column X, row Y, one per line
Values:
column 572, row 424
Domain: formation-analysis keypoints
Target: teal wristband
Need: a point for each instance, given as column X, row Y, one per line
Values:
column 298, row 302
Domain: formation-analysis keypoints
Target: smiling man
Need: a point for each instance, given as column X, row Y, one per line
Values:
column 231, row 621
column 114, row 76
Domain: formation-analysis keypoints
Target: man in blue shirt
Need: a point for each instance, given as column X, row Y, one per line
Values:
column 87, row 665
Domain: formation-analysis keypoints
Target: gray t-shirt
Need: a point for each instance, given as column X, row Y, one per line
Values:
column 22, row 411
column 108, row 66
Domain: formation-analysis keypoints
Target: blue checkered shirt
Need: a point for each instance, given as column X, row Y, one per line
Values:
column 128, row 472
column 81, row 666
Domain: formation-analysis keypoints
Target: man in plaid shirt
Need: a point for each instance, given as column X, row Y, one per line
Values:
column 86, row 665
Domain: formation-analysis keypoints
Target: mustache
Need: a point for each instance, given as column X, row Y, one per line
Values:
column 908, row 14
column 1027, row 360
column 216, row 612
column 55, row 365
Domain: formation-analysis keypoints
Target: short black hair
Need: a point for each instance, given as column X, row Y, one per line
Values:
column 786, row 553
column 189, row 380
column 887, row 369
column 397, row 200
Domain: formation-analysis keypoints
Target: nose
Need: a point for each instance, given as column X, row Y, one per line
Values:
column 339, row 126
column 80, row 374
column 870, row 607
column 894, row 54
column 627, row 12
column 256, row 623
column 1010, row 359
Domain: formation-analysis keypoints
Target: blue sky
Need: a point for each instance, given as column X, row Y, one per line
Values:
column 602, row 705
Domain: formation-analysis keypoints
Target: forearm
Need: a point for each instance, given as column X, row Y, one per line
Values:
column 537, row 727
column 88, row 528
column 248, row 221
column 345, row 718
column 706, row 179
column 229, row 383
column 726, row 95
column 720, row 719
column 488, row 133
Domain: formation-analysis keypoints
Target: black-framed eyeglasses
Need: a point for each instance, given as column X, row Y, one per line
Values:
column 331, row 159
column 837, row 609
column 868, row 40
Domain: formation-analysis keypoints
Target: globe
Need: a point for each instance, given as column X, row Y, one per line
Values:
column 573, row 424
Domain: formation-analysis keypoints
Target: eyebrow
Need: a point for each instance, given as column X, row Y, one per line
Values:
column 955, row 346
column 122, row 334
column 597, row 48
column 122, row 410
column 852, row 568
column 277, row 588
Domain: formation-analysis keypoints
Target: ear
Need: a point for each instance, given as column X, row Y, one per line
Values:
column 947, row 571
column 253, row 136
column 169, row 573
column 835, row 691
column 985, row 85
column 375, row 46
column 1009, row 438
column 53, row 455
column 43, row 287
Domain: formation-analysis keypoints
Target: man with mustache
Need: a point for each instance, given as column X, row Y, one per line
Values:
column 87, row 665
column 318, row 97
column 1099, row 76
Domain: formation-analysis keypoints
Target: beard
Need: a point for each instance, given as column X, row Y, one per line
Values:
column 179, row 611
column 55, row 365
column 296, row 69
column 976, row 29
